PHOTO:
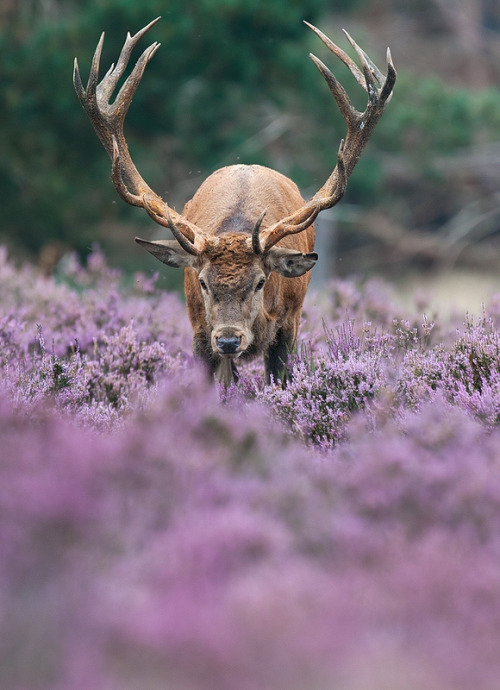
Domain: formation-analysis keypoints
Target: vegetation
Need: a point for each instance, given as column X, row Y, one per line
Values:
column 232, row 83
column 160, row 532
column 219, row 60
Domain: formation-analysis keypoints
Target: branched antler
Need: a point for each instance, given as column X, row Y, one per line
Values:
column 359, row 129
column 108, row 118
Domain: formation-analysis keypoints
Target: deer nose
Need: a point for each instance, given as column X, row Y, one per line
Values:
column 228, row 345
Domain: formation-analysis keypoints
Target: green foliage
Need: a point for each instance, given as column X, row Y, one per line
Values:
column 219, row 58
column 430, row 115
column 426, row 122
column 41, row 171
column 226, row 72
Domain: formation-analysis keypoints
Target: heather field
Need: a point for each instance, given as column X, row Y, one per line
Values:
column 160, row 532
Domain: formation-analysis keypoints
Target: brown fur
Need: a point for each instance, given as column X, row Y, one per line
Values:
column 225, row 208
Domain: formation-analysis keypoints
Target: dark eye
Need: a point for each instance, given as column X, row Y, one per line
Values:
column 203, row 285
column 260, row 284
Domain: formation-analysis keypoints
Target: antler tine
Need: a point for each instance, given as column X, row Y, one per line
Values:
column 116, row 73
column 338, row 92
column 185, row 236
column 94, row 68
column 82, row 92
column 387, row 88
column 255, row 233
column 365, row 59
column 292, row 225
column 341, row 54
column 370, row 71
column 77, row 82
column 124, row 98
column 370, row 85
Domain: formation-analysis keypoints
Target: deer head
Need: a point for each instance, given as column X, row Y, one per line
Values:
column 232, row 276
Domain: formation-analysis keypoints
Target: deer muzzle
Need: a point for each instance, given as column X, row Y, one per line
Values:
column 228, row 345
column 229, row 341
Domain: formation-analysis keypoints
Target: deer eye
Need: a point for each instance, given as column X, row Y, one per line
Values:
column 260, row 284
column 203, row 285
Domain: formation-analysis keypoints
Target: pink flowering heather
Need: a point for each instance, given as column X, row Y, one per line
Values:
column 159, row 532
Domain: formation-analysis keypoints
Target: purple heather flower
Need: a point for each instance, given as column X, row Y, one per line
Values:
column 157, row 531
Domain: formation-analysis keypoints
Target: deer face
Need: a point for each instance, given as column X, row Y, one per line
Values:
column 231, row 282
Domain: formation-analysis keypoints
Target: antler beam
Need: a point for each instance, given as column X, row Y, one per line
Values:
column 108, row 118
column 360, row 126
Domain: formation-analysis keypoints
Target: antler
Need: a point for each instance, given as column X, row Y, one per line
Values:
column 359, row 129
column 108, row 118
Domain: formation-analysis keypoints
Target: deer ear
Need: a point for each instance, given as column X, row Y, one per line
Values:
column 289, row 263
column 168, row 252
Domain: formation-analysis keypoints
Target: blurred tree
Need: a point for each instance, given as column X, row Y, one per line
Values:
column 220, row 58
column 231, row 83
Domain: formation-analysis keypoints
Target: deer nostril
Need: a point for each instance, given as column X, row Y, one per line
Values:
column 228, row 345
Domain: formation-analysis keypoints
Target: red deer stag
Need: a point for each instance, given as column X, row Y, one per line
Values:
column 246, row 238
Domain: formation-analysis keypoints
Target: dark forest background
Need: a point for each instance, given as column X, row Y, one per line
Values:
column 232, row 82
